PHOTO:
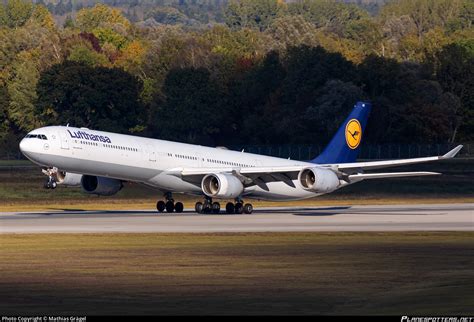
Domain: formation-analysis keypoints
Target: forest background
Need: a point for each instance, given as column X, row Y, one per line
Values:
column 218, row 72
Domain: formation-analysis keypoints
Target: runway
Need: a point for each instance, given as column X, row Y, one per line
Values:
column 448, row 217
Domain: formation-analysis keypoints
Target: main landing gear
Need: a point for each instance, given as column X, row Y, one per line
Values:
column 205, row 207
column 169, row 205
column 208, row 207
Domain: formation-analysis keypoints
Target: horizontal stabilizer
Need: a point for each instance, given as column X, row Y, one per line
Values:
column 390, row 175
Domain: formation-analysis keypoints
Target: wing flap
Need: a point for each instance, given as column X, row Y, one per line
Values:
column 390, row 175
column 244, row 171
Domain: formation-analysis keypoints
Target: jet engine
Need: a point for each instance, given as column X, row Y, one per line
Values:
column 100, row 185
column 221, row 185
column 318, row 180
column 68, row 178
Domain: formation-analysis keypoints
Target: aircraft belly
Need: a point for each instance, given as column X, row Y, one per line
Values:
column 167, row 182
column 97, row 168
column 279, row 191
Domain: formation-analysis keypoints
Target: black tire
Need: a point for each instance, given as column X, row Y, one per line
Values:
column 230, row 208
column 169, row 206
column 248, row 208
column 198, row 207
column 178, row 207
column 207, row 208
column 216, row 208
column 239, row 208
column 160, row 206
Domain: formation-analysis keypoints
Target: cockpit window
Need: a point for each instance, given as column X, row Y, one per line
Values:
column 36, row 136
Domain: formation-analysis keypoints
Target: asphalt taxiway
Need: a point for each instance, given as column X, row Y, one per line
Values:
column 446, row 217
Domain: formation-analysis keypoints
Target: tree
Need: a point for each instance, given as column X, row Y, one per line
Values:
column 82, row 53
column 330, row 15
column 167, row 15
column 108, row 35
column 291, row 31
column 4, row 103
column 253, row 13
column 332, row 104
column 131, row 58
column 42, row 18
column 21, row 90
column 309, row 68
column 190, row 111
column 253, row 104
column 409, row 105
column 15, row 13
column 105, row 98
column 100, row 16
column 69, row 23
column 455, row 72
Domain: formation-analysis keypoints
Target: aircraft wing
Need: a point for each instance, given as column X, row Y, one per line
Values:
column 346, row 171
column 371, row 165
column 249, row 176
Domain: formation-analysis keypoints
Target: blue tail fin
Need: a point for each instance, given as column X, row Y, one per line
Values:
column 344, row 146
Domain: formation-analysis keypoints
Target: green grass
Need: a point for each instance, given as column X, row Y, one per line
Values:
column 15, row 163
column 264, row 273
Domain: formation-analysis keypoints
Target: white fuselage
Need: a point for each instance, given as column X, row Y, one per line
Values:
column 149, row 161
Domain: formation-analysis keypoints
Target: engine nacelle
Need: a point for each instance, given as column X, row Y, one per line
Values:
column 318, row 180
column 100, row 185
column 68, row 178
column 222, row 185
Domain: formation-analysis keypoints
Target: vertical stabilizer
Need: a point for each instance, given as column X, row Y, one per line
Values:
column 345, row 145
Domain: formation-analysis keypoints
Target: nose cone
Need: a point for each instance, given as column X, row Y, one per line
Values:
column 25, row 146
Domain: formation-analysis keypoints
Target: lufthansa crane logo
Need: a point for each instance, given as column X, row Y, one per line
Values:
column 353, row 133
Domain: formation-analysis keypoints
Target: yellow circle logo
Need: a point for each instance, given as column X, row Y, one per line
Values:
column 353, row 133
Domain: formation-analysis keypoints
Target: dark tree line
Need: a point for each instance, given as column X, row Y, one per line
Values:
column 239, row 72
column 300, row 98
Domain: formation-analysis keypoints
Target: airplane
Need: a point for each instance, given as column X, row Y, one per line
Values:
column 100, row 162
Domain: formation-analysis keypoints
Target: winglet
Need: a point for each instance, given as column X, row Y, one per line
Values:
column 452, row 153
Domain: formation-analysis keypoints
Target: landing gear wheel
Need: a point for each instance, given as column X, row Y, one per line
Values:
column 230, row 208
column 198, row 207
column 178, row 207
column 216, row 207
column 207, row 207
column 161, row 206
column 50, row 183
column 239, row 208
column 169, row 206
column 248, row 208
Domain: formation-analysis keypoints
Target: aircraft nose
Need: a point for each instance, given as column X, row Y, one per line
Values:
column 25, row 146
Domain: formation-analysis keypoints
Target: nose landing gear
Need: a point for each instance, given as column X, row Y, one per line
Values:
column 51, row 181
